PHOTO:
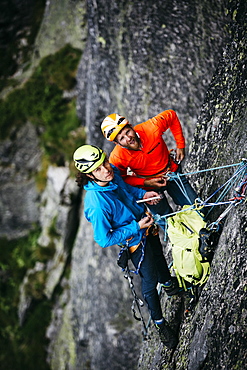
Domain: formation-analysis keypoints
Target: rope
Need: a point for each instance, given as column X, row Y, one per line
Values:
column 229, row 181
column 181, row 186
column 172, row 174
column 228, row 185
column 141, row 259
column 199, row 204
column 136, row 301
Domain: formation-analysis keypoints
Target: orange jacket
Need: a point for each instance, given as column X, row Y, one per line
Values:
column 153, row 157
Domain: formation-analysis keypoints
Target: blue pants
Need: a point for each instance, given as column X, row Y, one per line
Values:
column 153, row 270
column 163, row 207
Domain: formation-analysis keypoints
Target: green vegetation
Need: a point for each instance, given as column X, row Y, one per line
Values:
column 121, row 321
column 40, row 100
column 40, row 177
column 22, row 346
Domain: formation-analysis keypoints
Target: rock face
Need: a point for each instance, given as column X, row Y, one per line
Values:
column 63, row 23
column 141, row 81
column 131, row 69
column 100, row 302
column 19, row 198
column 140, row 58
column 213, row 336
column 144, row 57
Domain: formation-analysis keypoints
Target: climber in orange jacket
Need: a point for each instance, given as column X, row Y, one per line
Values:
column 143, row 151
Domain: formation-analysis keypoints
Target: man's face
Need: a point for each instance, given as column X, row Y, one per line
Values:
column 103, row 173
column 127, row 137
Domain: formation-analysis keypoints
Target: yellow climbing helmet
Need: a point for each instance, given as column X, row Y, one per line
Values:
column 88, row 157
column 112, row 125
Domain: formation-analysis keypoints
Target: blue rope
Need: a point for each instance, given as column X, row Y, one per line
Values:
column 141, row 259
column 227, row 186
column 172, row 174
column 181, row 186
column 230, row 181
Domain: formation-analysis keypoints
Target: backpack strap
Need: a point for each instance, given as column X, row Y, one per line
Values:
column 205, row 274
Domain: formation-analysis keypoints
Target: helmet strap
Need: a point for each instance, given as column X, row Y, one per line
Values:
column 95, row 178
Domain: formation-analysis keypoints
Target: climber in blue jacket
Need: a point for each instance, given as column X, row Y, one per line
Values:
column 117, row 219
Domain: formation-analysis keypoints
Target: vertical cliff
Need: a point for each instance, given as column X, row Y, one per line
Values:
column 143, row 57
column 138, row 58
column 213, row 335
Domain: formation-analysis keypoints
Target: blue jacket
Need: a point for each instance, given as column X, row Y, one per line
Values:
column 113, row 211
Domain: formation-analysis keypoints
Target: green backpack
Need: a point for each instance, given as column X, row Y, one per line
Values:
column 185, row 231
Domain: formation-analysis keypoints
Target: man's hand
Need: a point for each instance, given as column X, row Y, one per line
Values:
column 150, row 194
column 180, row 154
column 146, row 221
column 156, row 182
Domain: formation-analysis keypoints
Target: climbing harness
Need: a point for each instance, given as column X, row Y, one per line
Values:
column 124, row 256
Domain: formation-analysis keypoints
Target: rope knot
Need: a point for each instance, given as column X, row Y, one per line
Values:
column 198, row 204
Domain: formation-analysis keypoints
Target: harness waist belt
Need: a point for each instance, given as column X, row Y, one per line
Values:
column 134, row 248
column 151, row 230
